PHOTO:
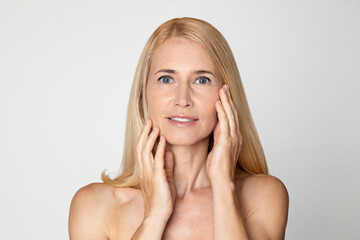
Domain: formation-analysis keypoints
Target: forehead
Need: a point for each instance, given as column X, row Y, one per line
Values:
column 180, row 53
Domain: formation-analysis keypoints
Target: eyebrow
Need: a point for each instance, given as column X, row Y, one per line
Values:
column 194, row 72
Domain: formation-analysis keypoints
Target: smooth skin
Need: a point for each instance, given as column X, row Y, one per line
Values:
column 185, row 192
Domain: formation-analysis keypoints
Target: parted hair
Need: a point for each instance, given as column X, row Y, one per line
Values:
column 251, row 158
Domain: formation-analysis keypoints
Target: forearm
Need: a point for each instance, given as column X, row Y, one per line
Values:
column 228, row 224
column 151, row 228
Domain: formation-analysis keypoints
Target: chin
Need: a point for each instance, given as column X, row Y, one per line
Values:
column 181, row 141
column 184, row 139
column 185, row 136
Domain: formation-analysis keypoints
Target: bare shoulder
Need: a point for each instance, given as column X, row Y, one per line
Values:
column 92, row 198
column 104, row 194
column 266, row 201
column 261, row 185
column 93, row 192
column 91, row 209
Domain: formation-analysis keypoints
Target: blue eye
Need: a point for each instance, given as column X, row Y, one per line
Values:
column 203, row 80
column 166, row 79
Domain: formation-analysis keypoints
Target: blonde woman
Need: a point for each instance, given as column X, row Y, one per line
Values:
column 193, row 166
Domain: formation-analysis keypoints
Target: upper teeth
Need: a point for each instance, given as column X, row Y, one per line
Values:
column 182, row 119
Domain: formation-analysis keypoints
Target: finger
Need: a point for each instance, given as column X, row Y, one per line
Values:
column 169, row 167
column 147, row 159
column 236, row 115
column 228, row 111
column 159, row 155
column 139, row 146
column 237, row 125
column 144, row 134
column 223, row 120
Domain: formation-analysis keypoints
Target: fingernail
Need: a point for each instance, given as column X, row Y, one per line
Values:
column 155, row 129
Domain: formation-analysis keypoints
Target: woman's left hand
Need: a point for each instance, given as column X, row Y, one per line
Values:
column 221, row 161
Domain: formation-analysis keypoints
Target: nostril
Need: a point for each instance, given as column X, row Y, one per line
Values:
column 181, row 105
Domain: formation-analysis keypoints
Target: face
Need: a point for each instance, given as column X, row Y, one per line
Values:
column 183, row 83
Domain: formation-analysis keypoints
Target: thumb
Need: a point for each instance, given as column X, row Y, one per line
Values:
column 169, row 166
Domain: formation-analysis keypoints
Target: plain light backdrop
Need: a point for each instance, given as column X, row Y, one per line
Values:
column 66, row 68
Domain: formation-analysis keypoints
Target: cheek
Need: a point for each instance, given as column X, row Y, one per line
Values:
column 214, row 116
column 150, row 99
column 156, row 104
column 211, row 114
column 152, row 107
column 211, row 100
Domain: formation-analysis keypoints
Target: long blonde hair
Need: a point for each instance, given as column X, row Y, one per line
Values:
column 251, row 159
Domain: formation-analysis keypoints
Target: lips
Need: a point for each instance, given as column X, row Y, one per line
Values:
column 183, row 117
column 182, row 121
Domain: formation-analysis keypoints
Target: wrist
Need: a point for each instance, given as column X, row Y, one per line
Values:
column 155, row 223
column 221, row 180
column 157, row 217
column 152, row 227
column 159, row 213
column 223, row 185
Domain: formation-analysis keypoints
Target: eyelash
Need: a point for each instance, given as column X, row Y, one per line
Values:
column 159, row 79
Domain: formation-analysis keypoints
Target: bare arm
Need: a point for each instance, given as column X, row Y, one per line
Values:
column 228, row 223
column 268, row 202
column 86, row 218
column 89, row 215
column 265, row 201
column 263, row 198
column 151, row 228
column 157, row 183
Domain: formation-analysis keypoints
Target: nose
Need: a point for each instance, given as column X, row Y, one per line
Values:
column 183, row 96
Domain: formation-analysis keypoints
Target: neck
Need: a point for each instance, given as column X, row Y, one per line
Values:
column 190, row 167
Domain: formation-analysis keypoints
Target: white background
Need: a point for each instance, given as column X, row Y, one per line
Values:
column 66, row 69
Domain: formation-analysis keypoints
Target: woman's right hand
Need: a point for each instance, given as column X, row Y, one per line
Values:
column 155, row 173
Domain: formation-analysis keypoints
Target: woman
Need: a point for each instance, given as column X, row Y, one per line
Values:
column 193, row 165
